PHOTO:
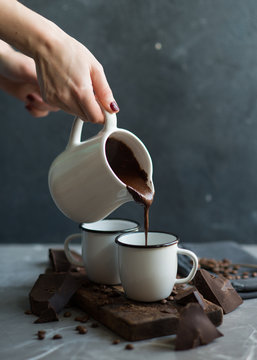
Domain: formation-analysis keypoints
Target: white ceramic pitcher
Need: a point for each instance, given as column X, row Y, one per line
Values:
column 81, row 181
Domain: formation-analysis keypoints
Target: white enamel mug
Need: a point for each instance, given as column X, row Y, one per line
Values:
column 148, row 273
column 99, row 250
column 81, row 181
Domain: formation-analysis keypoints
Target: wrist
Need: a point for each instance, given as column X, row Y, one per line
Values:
column 46, row 39
column 24, row 29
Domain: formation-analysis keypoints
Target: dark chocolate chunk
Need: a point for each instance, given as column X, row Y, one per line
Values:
column 57, row 337
column 129, row 347
column 59, row 261
column 47, row 315
column 190, row 295
column 51, row 293
column 194, row 328
column 217, row 290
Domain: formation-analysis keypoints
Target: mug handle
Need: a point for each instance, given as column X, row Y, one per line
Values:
column 194, row 268
column 67, row 251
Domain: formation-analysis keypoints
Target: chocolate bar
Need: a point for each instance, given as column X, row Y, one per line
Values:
column 194, row 328
column 59, row 261
column 51, row 293
column 217, row 290
column 190, row 295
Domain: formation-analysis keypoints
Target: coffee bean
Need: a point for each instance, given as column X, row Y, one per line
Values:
column 57, row 337
column 81, row 329
column 67, row 314
column 82, row 319
column 41, row 334
column 28, row 312
column 163, row 301
column 129, row 347
column 116, row 341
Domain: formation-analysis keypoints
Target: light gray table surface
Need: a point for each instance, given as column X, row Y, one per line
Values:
column 21, row 265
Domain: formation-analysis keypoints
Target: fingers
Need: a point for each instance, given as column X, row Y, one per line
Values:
column 36, row 112
column 37, row 107
column 35, row 100
column 88, row 105
column 102, row 89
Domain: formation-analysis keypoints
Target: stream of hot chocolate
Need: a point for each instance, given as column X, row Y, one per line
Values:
column 126, row 167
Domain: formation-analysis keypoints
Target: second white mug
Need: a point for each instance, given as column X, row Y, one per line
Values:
column 99, row 251
column 148, row 273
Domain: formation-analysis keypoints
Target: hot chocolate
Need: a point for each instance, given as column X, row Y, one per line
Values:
column 127, row 169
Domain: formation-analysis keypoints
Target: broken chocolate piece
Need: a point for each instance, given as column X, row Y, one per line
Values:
column 47, row 315
column 217, row 290
column 194, row 328
column 59, row 261
column 190, row 295
column 51, row 293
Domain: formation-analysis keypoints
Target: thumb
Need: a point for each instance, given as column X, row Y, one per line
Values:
column 102, row 89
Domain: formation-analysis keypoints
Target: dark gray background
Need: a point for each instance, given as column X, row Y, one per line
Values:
column 193, row 104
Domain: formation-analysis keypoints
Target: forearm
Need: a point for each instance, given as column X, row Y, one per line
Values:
column 24, row 29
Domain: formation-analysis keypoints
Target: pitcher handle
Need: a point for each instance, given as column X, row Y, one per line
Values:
column 75, row 136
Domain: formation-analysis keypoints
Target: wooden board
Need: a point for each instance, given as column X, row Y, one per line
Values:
column 134, row 320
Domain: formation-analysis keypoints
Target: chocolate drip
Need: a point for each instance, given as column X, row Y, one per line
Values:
column 127, row 169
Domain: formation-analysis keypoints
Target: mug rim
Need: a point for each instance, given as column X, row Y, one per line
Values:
column 118, row 242
column 132, row 229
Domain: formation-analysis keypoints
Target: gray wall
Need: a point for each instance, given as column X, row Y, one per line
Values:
column 192, row 102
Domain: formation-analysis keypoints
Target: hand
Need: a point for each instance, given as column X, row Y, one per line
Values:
column 29, row 94
column 18, row 77
column 72, row 79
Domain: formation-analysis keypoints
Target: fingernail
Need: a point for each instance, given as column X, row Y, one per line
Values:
column 30, row 97
column 114, row 106
column 28, row 107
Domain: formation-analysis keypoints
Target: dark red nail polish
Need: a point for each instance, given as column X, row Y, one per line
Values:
column 114, row 106
column 28, row 107
column 30, row 97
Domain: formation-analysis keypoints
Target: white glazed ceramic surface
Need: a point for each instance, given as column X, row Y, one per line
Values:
column 81, row 182
column 149, row 273
column 99, row 250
